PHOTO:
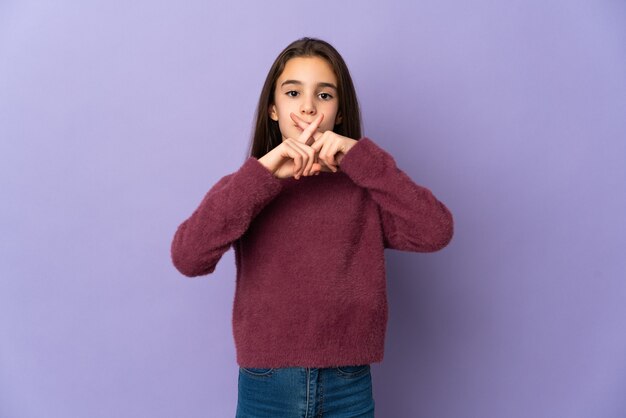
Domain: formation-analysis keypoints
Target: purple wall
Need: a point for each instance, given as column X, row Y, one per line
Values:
column 115, row 119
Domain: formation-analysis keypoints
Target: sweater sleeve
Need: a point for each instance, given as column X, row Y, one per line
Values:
column 412, row 218
column 223, row 216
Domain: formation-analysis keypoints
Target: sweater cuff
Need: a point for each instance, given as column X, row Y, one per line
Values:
column 365, row 160
column 253, row 176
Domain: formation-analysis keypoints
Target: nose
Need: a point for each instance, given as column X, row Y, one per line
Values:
column 307, row 107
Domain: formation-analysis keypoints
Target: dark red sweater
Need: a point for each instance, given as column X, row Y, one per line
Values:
column 311, row 282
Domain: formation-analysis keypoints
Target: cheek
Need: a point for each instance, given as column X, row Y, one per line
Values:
column 330, row 121
column 284, row 114
column 327, row 125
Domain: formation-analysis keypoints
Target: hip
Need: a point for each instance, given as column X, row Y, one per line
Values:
column 302, row 392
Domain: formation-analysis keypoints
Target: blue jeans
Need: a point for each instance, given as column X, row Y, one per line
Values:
column 298, row 392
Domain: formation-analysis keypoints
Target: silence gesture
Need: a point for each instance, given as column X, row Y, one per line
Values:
column 329, row 147
column 295, row 157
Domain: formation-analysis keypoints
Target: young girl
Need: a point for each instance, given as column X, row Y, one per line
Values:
column 309, row 214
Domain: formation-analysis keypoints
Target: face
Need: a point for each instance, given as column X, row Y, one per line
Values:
column 306, row 87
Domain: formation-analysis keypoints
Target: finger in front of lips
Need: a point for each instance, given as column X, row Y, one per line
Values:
column 304, row 124
column 309, row 130
column 299, row 122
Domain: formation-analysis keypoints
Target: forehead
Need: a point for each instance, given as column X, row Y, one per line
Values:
column 308, row 69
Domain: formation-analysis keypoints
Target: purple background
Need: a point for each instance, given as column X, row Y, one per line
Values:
column 116, row 118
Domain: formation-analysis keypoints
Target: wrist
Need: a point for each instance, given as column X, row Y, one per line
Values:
column 265, row 163
column 349, row 144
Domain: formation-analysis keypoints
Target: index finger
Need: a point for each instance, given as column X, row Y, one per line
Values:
column 302, row 124
column 308, row 131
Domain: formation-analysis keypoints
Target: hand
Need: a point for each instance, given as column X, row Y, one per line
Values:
column 329, row 146
column 294, row 157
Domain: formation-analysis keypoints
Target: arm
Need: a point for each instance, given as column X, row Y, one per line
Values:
column 412, row 218
column 222, row 217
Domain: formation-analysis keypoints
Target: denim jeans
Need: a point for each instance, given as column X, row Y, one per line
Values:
column 298, row 392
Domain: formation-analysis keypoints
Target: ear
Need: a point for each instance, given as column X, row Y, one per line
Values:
column 338, row 118
column 273, row 113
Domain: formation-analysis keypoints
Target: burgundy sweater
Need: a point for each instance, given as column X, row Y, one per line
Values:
column 311, row 282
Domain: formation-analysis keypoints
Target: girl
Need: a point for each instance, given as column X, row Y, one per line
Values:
column 308, row 215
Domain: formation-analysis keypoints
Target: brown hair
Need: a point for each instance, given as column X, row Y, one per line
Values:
column 267, row 133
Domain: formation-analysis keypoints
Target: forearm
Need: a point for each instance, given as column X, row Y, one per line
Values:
column 222, row 217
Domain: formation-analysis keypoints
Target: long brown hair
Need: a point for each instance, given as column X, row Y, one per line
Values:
column 267, row 133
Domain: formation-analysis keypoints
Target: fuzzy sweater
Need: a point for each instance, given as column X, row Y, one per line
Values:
column 311, row 282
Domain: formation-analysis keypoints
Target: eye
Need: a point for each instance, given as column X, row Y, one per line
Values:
column 328, row 96
column 289, row 93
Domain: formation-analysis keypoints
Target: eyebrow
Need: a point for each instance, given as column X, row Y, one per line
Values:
column 298, row 82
